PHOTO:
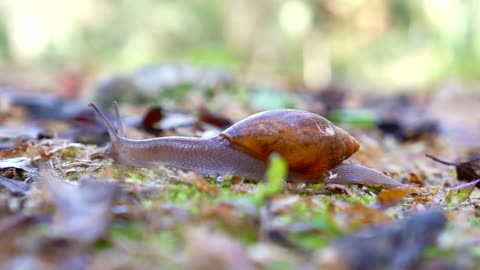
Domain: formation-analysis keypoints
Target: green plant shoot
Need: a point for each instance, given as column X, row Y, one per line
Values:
column 275, row 175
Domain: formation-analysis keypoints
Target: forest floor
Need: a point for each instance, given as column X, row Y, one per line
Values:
column 66, row 204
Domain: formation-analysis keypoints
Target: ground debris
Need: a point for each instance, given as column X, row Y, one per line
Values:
column 90, row 213
column 77, row 206
column 466, row 171
column 397, row 245
column 21, row 163
column 16, row 188
column 205, row 249
column 198, row 182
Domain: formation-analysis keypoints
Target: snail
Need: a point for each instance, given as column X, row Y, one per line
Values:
column 313, row 147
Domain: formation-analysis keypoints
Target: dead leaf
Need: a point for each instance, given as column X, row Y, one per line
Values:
column 272, row 230
column 11, row 227
column 408, row 131
column 236, row 179
column 19, row 132
column 18, row 150
column 390, row 197
column 22, row 163
column 204, row 115
column 415, row 179
column 397, row 245
column 198, row 182
column 163, row 217
column 151, row 118
column 231, row 215
column 466, row 171
column 461, row 193
column 358, row 215
column 205, row 249
column 82, row 212
column 48, row 106
column 16, row 187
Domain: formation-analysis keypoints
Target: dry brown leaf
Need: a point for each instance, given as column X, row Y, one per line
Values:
column 82, row 212
column 391, row 197
column 198, row 182
column 358, row 215
column 231, row 215
column 16, row 187
column 11, row 227
column 415, row 179
column 205, row 249
column 22, row 163
column 466, row 171
column 397, row 245
column 20, row 150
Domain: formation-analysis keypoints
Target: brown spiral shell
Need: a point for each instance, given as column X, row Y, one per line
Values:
column 310, row 143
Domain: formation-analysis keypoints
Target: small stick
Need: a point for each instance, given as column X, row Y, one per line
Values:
column 441, row 161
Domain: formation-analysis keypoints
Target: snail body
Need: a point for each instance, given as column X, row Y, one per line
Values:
column 309, row 143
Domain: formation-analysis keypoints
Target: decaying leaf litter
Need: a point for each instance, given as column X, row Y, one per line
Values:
column 65, row 204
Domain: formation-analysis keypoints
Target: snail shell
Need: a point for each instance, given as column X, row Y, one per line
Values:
column 309, row 143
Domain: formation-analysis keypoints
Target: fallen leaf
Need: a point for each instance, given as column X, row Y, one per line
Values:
column 415, row 179
column 27, row 130
column 461, row 193
column 11, row 227
column 466, row 171
column 357, row 216
column 22, row 163
column 82, row 212
column 16, row 187
column 390, row 197
column 270, row 229
column 47, row 106
column 406, row 131
column 205, row 249
column 151, row 118
column 15, row 151
column 204, row 115
column 161, row 217
column 397, row 245
column 231, row 215
column 198, row 182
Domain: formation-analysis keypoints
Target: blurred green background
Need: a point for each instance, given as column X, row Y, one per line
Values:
column 383, row 44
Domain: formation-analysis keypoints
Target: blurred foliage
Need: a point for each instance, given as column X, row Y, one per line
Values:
column 382, row 43
column 4, row 48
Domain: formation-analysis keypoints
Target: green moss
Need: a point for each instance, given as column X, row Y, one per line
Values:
column 310, row 241
column 138, row 232
column 182, row 193
column 475, row 221
column 135, row 175
column 72, row 153
column 435, row 252
column 131, row 231
column 288, row 263
column 366, row 199
column 133, row 235
column 166, row 240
